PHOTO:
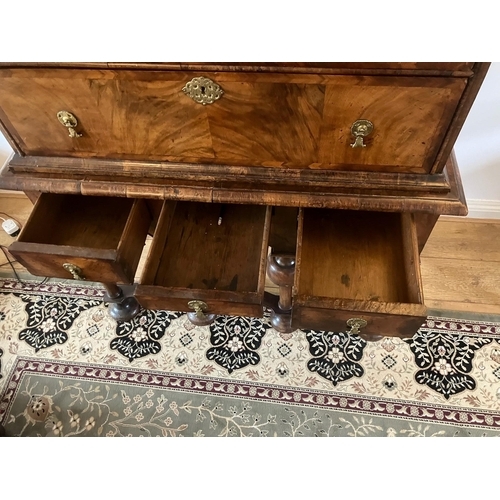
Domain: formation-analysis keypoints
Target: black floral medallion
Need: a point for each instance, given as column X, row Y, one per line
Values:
column 140, row 337
column 235, row 340
column 445, row 360
column 50, row 318
column 336, row 355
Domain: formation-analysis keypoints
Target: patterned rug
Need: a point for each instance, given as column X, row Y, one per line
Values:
column 68, row 369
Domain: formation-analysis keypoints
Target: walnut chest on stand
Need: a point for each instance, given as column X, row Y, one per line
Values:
column 327, row 177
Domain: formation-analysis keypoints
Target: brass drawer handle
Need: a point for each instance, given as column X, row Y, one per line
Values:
column 360, row 129
column 203, row 90
column 356, row 324
column 69, row 121
column 199, row 308
column 75, row 271
column 198, row 317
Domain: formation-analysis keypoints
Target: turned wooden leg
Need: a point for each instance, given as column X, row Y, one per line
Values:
column 281, row 271
column 123, row 306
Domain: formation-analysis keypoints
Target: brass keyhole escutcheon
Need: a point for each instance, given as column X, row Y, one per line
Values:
column 74, row 270
column 360, row 129
column 356, row 324
column 203, row 90
column 70, row 122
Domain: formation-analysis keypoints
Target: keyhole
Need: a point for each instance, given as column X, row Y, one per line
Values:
column 203, row 90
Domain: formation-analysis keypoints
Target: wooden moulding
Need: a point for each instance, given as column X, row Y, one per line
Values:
column 459, row 69
column 395, row 195
column 351, row 265
column 192, row 257
column 165, row 172
column 103, row 237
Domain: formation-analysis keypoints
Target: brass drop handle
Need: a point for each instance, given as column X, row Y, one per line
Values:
column 75, row 271
column 198, row 317
column 69, row 121
column 203, row 90
column 360, row 129
column 356, row 324
column 199, row 308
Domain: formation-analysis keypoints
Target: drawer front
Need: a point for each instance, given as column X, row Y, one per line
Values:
column 410, row 117
column 46, row 262
column 271, row 120
column 84, row 237
column 388, row 323
column 152, row 298
column 119, row 114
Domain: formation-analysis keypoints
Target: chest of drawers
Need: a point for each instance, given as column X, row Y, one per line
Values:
column 328, row 176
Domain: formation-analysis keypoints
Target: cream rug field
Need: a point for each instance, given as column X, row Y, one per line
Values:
column 68, row 369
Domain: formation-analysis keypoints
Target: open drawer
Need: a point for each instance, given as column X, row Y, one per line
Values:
column 96, row 238
column 193, row 257
column 358, row 271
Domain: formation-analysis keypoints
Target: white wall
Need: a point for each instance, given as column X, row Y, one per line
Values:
column 5, row 149
column 477, row 149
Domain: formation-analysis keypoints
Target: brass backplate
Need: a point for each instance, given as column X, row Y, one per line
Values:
column 74, row 270
column 67, row 119
column 356, row 324
column 362, row 128
column 203, row 90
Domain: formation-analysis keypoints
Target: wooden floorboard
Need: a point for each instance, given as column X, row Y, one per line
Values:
column 464, row 239
column 461, row 266
column 460, row 263
column 472, row 283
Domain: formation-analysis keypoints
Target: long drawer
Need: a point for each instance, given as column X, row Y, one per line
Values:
column 259, row 119
column 358, row 271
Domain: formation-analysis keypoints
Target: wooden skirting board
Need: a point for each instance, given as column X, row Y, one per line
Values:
column 484, row 209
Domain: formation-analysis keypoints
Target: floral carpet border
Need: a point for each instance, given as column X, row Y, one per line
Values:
column 55, row 288
column 451, row 325
column 245, row 390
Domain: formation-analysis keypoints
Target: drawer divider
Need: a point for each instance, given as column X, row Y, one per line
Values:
column 133, row 237
column 411, row 258
column 159, row 240
column 263, row 256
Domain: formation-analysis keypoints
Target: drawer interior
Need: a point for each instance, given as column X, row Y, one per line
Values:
column 102, row 236
column 78, row 221
column 357, row 255
column 192, row 250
